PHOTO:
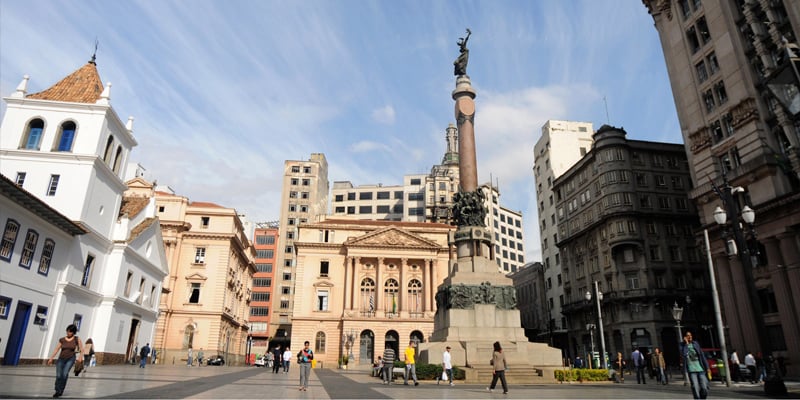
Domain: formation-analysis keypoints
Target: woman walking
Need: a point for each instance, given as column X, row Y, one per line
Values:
column 66, row 349
column 499, row 363
column 88, row 352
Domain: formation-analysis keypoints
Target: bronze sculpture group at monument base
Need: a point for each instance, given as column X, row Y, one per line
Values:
column 476, row 303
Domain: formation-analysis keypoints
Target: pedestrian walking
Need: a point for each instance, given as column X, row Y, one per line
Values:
column 695, row 366
column 304, row 358
column 200, row 357
column 135, row 352
column 88, row 353
column 500, row 367
column 447, row 365
column 660, row 366
column 750, row 363
column 287, row 358
column 762, row 370
column 270, row 359
column 154, row 356
column 620, row 364
column 189, row 358
column 144, row 353
column 66, row 349
column 277, row 355
column 639, row 365
column 411, row 367
column 734, row 364
column 388, row 365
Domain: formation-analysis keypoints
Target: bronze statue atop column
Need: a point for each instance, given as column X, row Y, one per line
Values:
column 463, row 58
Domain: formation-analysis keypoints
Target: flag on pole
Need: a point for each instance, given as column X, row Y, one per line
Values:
column 371, row 303
column 394, row 304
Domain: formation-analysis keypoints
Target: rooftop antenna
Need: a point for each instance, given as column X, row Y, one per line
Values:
column 94, row 55
column 608, row 120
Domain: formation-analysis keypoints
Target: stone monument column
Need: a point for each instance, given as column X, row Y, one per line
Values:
column 476, row 304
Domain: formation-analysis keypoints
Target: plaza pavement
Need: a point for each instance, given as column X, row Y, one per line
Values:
column 209, row 382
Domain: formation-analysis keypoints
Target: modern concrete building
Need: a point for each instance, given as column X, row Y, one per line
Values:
column 506, row 228
column 561, row 145
column 366, row 285
column 304, row 199
column 265, row 243
column 209, row 288
column 368, row 202
column 67, row 146
column 625, row 221
column 722, row 57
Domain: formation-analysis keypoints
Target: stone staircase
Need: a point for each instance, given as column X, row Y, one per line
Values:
column 518, row 374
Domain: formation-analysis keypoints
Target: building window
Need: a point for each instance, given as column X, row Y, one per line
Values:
column 262, row 282
column 632, row 281
column 260, row 296
column 627, row 256
column 368, row 295
column 415, row 181
column 20, row 180
column 719, row 90
column 194, row 293
column 200, row 255
column 365, row 209
column 53, row 185
column 204, row 221
column 287, row 276
column 338, row 198
column 5, row 307
column 263, row 239
column 365, row 196
column 261, row 253
column 288, row 249
column 390, row 291
column 66, row 137
column 319, row 343
column 306, row 170
column 264, row 267
column 322, row 300
column 708, row 99
column 47, row 255
column 77, row 320
column 128, row 283
column 304, row 195
column 702, row 29
column 323, row 268
column 306, row 182
column 188, row 337
column 28, row 248
column 713, row 64
column 259, row 311
column 9, row 239
column 691, row 36
column 702, row 73
column 87, row 270
column 675, row 254
column 295, row 169
column 33, row 136
column 655, row 253
column 284, row 304
column 294, row 181
column 41, row 315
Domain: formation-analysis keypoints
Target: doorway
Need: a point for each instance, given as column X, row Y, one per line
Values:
column 132, row 340
column 367, row 347
column 17, row 335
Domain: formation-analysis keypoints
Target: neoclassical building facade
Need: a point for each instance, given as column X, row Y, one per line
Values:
column 362, row 286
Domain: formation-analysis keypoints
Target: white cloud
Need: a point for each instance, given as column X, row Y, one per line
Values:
column 365, row 146
column 384, row 115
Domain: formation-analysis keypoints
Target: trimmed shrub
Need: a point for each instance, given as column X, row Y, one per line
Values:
column 581, row 375
column 432, row 371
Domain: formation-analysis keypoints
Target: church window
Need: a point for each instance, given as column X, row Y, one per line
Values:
column 67, row 136
column 109, row 149
column 33, row 136
column 117, row 159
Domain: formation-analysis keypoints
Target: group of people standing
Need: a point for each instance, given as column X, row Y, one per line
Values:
column 281, row 359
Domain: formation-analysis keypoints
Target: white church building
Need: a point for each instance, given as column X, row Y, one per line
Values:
column 75, row 248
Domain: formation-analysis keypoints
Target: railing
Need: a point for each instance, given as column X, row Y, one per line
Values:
column 370, row 314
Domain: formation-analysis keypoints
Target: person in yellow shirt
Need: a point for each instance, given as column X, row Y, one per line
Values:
column 410, row 365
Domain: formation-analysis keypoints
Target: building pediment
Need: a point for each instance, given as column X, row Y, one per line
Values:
column 323, row 283
column 195, row 277
column 392, row 237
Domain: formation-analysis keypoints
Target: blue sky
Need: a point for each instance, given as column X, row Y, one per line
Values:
column 224, row 91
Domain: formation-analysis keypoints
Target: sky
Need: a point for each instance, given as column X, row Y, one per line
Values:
column 223, row 92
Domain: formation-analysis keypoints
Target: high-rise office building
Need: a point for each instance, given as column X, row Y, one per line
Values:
column 265, row 242
column 561, row 145
column 724, row 58
column 304, row 198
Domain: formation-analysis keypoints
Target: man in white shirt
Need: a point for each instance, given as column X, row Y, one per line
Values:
column 447, row 365
column 750, row 363
column 734, row 366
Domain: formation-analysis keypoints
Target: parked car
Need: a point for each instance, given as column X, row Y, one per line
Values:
column 261, row 361
column 216, row 360
column 717, row 366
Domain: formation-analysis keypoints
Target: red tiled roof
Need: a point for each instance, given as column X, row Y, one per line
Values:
column 204, row 204
column 82, row 86
column 132, row 205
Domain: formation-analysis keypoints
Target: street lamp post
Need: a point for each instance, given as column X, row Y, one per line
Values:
column 598, row 298
column 773, row 384
column 677, row 313
column 590, row 328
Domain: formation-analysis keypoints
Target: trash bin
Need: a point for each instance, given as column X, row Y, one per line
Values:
column 313, row 363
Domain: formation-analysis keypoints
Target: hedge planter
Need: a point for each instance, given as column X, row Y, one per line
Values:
column 581, row 375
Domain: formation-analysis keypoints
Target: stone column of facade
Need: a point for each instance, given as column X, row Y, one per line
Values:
column 425, row 295
column 728, row 300
column 379, row 286
column 401, row 306
column 348, row 288
column 431, row 291
column 781, row 284
column 356, row 284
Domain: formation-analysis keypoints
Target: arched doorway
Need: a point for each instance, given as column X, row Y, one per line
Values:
column 393, row 342
column 367, row 347
column 417, row 337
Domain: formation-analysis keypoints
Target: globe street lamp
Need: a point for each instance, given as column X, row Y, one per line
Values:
column 749, row 256
column 598, row 299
